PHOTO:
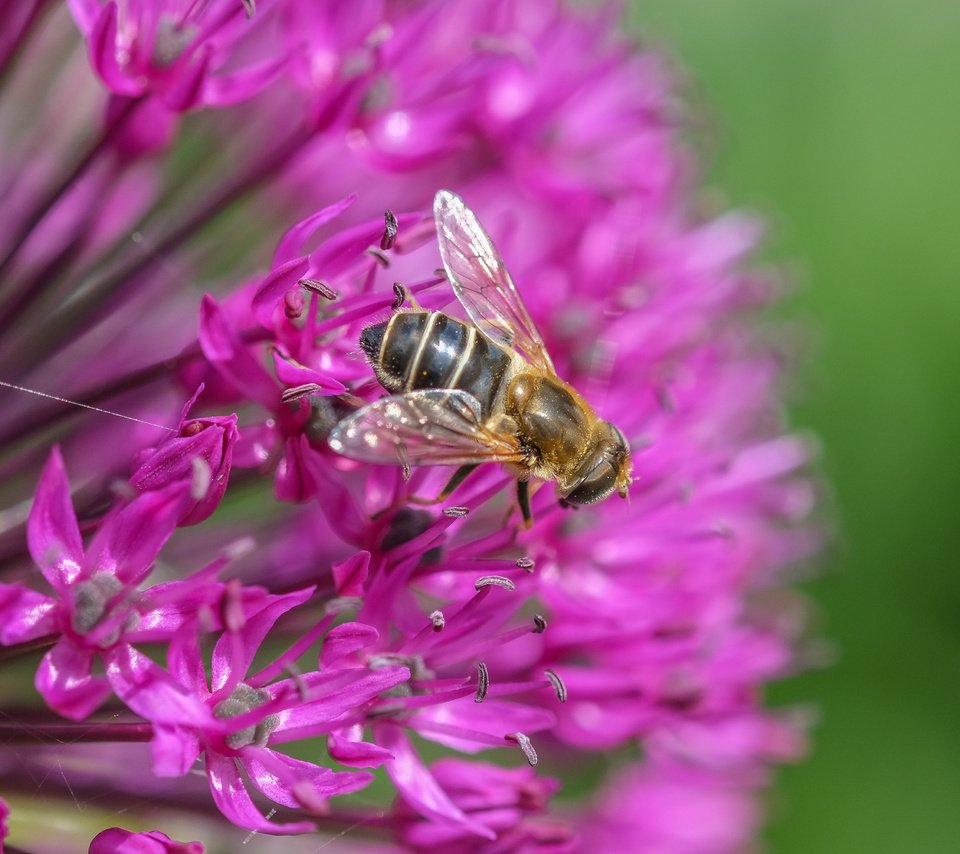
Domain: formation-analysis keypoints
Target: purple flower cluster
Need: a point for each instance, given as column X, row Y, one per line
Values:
column 195, row 223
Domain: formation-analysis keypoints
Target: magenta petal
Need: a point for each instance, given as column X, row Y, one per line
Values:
column 25, row 614
column 417, row 785
column 209, row 440
column 350, row 574
column 492, row 717
column 280, row 280
column 175, row 750
column 345, row 639
column 172, row 608
column 116, row 840
column 357, row 754
column 292, row 243
column 226, row 90
column 52, row 533
column 103, row 53
column 226, row 352
column 233, row 800
column 294, row 479
column 151, row 692
column 65, row 680
column 234, row 651
column 187, row 91
column 275, row 774
column 130, row 539
column 292, row 373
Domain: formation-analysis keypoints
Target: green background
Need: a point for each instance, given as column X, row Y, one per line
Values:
column 840, row 121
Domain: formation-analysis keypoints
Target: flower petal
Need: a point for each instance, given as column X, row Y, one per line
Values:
column 275, row 774
column 130, row 538
column 175, row 750
column 291, row 245
column 151, row 692
column 233, row 800
column 234, row 651
column 53, row 536
column 25, row 614
column 66, row 682
column 417, row 785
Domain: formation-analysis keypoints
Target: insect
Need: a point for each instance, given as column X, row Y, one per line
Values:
column 470, row 393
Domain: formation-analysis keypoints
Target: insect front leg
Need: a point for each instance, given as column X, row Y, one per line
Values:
column 459, row 476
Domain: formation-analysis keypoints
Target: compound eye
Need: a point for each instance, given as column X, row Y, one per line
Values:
column 597, row 485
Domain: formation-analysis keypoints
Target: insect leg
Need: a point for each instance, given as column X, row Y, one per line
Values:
column 459, row 476
column 523, row 499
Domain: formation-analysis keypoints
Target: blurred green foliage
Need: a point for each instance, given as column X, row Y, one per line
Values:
column 840, row 121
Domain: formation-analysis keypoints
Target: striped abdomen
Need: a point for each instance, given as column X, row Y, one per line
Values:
column 428, row 349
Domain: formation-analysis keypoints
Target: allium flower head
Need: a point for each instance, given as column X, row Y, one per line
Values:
column 236, row 195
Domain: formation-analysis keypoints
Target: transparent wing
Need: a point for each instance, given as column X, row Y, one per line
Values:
column 482, row 283
column 431, row 427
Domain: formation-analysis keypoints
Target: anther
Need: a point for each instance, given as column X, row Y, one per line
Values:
column 315, row 286
column 438, row 620
column 378, row 256
column 525, row 564
column 191, row 428
column 483, row 682
column 294, row 393
column 525, row 745
column 249, row 6
column 539, row 624
column 399, row 296
column 558, row 687
column 455, row 512
column 494, row 581
column 389, row 230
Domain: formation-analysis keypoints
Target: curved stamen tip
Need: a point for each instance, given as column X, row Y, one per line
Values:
column 494, row 581
column 483, row 682
column 249, row 6
column 525, row 745
column 315, row 286
column 539, row 624
column 289, row 395
column 558, row 687
column 399, row 296
column 389, row 230
column 378, row 256
column 438, row 620
column 526, row 564
column 455, row 512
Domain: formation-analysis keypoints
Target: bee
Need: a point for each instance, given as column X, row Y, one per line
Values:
column 463, row 394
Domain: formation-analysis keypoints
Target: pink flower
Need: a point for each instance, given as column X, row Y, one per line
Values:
column 233, row 718
column 95, row 607
column 201, row 452
column 179, row 53
column 243, row 249
column 116, row 840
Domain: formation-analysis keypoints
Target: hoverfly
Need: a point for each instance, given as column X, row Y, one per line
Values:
column 470, row 393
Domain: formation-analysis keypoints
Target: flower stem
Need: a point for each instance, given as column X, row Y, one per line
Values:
column 97, row 149
column 73, row 321
column 15, row 45
column 54, row 411
column 8, row 653
column 72, row 732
